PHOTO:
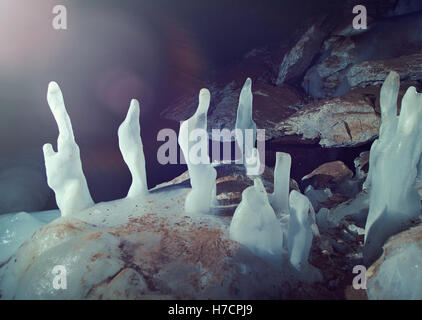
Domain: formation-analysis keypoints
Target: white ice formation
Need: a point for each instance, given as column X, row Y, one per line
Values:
column 130, row 144
column 301, row 230
column 394, row 160
column 245, row 126
column 64, row 168
column 193, row 141
column 255, row 224
column 279, row 199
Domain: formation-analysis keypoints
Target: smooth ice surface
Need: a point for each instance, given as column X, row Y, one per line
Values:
column 279, row 199
column 302, row 219
column 193, row 134
column 131, row 147
column 64, row 167
column 255, row 224
column 394, row 200
column 244, row 120
column 16, row 228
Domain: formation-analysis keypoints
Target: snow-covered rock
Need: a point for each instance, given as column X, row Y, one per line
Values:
column 64, row 167
column 397, row 275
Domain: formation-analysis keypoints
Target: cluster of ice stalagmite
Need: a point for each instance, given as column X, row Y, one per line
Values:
column 255, row 224
column 256, row 221
column 193, row 141
column 394, row 163
column 64, row 168
column 131, row 147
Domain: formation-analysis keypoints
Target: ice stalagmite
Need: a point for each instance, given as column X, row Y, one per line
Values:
column 193, row 140
column 130, row 144
column 245, row 126
column 389, row 119
column 279, row 199
column 300, row 235
column 394, row 200
column 255, row 224
column 64, row 168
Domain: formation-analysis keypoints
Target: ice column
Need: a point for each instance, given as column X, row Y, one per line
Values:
column 255, row 224
column 279, row 199
column 394, row 200
column 64, row 168
column 193, row 140
column 130, row 144
column 302, row 217
column 245, row 126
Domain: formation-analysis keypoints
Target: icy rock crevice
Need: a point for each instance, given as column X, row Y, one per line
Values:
column 130, row 144
column 394, row 201
column 193, row 133
column 64, row 167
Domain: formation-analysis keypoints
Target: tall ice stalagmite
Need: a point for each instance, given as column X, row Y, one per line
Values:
column 193, row 140
column 130, row 144
column 394, row 161
column 64, row 167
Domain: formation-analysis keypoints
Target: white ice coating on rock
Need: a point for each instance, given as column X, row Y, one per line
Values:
column 255, row 224
column 202, row 174
column 64, row 167
column 279, row 199
column 302, row 219
column 394, row 200
column 244, row 121
column 253, row 163
column 130, row 144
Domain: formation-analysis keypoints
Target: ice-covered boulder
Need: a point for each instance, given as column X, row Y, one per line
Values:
column 64, row 167
column 394, row 159
column 131, row 147
column 151, row 256
column 397, row 275
column 193, row 141
column 301, row 230
column 255, row 224
column 16, row 228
